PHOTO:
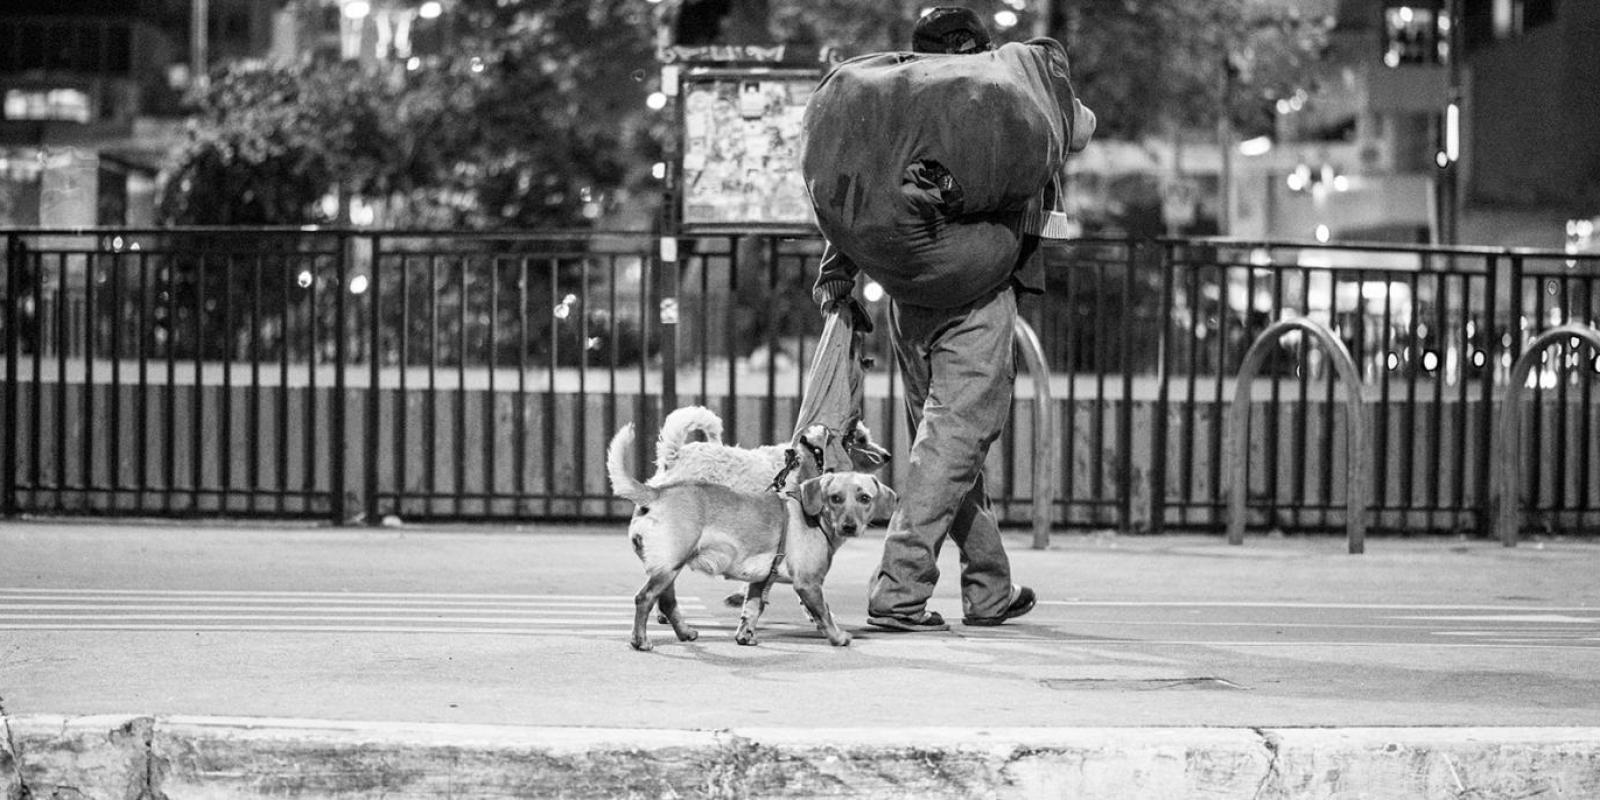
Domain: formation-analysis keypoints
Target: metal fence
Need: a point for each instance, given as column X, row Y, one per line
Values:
column 349, row 375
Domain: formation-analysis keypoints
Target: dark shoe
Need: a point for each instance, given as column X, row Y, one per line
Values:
column 927, row 621
column 1021, row 603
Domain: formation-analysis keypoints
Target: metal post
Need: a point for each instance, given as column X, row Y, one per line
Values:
column 374, row 394
column 1044, row 434
column 1509, row 453
column 11, row 319
column 1358, row 466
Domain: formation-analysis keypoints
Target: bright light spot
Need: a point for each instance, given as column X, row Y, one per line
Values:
column 591, row 210
column 358, row 284
column 1452, row 132
column 1341, row 183
column 1283, row 106
column 658, row 170
column 430, row 10
column 1472, row 329
column 1258, row 146
column 569, row 299
column 1442, row 159
column 1406, row 14
column 562, row 311
column 330, row 205
column 116, row 243
column 1391, row 58
column 656, row 101
column 872, row 291
column 1430, row 361
column 477, row 64
column 357, row 9
column 1394, row 362
column 1478, row 358
column 1323, row 234
column 1297, row 181
column 361, row 213
column 1005, row 18
column 413, row 63
column 134, row 246
column 1261, row 257
column 305, row 279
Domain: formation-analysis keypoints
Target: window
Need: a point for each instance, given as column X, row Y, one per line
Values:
column 1416, row 34
column 70, row 105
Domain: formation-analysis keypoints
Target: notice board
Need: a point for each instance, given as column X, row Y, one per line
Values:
column 740, row 155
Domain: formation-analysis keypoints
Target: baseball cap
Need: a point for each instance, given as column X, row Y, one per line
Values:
column 949, row 29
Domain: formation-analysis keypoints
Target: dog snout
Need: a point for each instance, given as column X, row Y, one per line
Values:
column 849, row 528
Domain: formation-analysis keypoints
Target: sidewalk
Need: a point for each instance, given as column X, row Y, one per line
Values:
column 249, row 661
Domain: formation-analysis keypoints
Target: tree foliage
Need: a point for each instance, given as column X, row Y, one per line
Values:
column 530, row 115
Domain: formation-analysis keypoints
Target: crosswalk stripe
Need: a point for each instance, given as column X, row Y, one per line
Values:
column 565, row 608
column 219, row 593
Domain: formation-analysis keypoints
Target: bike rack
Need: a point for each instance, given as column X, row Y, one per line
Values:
column 1358, row 444
column 1044, row 439
column 1509, row 448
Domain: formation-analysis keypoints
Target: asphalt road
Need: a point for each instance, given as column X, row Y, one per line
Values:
column 530, row 627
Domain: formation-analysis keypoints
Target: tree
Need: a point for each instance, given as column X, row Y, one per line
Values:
column 533, row 117
column 1145, row 66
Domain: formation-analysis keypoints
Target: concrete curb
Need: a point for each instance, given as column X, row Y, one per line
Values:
column 123, row 758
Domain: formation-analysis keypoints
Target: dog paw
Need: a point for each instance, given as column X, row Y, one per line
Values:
column 745, row 637
column 642, row 645
column 842, row 640
column 688, row 634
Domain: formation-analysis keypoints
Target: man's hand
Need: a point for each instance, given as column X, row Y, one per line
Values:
column 848, row 307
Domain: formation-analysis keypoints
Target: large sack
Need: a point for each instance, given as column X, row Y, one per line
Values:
column 919, row 166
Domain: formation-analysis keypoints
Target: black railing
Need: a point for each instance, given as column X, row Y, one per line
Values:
column 347, row 374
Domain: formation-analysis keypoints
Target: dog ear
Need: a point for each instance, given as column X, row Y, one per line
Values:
column 811, row 495
column 885, row 501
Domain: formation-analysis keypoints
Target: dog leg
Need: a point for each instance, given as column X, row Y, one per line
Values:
column 811, row 597
column 655, row 584
column 668, row 603
column 753, row 606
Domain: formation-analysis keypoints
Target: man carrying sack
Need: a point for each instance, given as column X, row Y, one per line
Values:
column 925, row 170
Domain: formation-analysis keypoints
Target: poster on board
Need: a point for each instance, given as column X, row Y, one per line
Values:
column 741, row 150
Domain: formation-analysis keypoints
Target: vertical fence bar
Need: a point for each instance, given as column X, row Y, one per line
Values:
column 1491, row 364
column 519, row 427
column 374, row 395
column 1219, row 411
column 1536, row 470
column 1458, row 497
column 340, row 439
column 313, row 358
column 90, row 420
column 458, row 447
column 36, row 397
column 402, row 398
column 730, row 402
column 1158, row 426
column 669, row 331
column 114, row 441
column 580, row 450
column 1435, row 464
column 142, row 406
column 63, row 333
column 551, row 375
column 253, row 409
column 1299, row 474
column 490, row 450
column 1408, row 428
column 1191, row 385
column 11, row 318
column 430, row 420
column 197, row 397
column 1125, row 415
column 1558, row 468
column 225, row 439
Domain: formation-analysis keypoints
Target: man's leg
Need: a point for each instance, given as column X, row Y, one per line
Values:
column 985, row 567
column 964, row 359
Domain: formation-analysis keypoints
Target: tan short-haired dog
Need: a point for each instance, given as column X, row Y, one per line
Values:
column 720, row 531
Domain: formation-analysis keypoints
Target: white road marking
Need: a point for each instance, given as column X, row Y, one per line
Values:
column 1511, row 618
column 1348, row 606
column 327, row 612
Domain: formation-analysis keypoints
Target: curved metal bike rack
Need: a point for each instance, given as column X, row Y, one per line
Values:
column 1044, row 439
column 1508, row 451
column 1358, row 444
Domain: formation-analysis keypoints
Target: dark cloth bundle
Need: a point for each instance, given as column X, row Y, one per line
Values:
column 920, row 166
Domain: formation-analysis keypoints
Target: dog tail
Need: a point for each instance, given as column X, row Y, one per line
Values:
column 684, row 426
column 623, row 484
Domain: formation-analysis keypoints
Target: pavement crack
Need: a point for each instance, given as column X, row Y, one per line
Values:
column 1271, row 742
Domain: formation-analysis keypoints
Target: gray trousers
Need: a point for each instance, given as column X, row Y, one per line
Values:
column 959, row 372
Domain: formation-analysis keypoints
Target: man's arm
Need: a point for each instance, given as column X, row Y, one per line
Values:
column 836, row 277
